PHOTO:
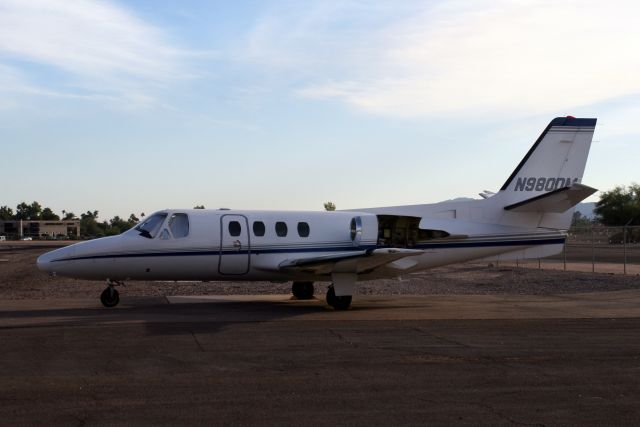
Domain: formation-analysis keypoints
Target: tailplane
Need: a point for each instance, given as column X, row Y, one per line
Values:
column 556, row 201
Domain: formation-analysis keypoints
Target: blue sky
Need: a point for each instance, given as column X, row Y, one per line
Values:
column 137, row 106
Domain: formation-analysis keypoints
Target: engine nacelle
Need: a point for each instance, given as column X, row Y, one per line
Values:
column 363, row 230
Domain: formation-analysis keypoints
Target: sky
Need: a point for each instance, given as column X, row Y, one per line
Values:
column 131, row 107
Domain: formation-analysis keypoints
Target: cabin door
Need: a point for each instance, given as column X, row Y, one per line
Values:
column 234, row 245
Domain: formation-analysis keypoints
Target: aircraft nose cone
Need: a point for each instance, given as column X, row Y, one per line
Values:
column 44, row 262
column 49, row 262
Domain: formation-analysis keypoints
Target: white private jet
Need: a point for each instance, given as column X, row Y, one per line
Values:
column 527, row 218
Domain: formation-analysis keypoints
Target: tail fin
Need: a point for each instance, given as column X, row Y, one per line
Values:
column 556, row 161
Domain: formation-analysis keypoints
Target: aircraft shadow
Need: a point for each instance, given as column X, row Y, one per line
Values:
column 156, row 314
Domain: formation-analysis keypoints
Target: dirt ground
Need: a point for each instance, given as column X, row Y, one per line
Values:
column 20, row 279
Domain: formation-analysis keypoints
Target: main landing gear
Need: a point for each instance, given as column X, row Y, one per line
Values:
column 338, row 302
column 305, row 290
column 302, row 290
column 110, row 296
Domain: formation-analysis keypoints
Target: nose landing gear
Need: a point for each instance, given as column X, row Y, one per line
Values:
column 110, row 296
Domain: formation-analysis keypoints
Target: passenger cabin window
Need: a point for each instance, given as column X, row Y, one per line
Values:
column 234, row 228
column 303, row 229
column 258, row 228
column 149, row 227
column 179, row 225
column 281, row 229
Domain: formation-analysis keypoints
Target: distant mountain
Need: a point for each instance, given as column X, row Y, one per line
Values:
column 586, row 209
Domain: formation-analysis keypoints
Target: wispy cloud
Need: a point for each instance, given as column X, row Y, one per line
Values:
column 98, row 51
column 484, row 57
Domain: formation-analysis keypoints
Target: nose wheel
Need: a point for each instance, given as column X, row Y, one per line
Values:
column 110, row 296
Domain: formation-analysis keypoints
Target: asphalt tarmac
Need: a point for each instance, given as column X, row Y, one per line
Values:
column 269, row 360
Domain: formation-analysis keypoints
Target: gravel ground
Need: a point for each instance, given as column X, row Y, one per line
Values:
column 20, row 279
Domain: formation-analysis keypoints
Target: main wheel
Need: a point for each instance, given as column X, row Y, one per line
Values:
column 302, row 290
column 338, row 302
column 110, row 297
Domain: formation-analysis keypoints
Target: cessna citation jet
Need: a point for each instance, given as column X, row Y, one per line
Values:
column 527, row 218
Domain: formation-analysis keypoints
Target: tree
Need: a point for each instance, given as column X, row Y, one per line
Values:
column 116, row 225
column 89, row 214
column 25, row 211
column 133, row 220
column 620, row 206
column 89, row 225
column 580, row 220
column 22, row 211
column 198, row 207
column 47, row 214
column 6, row 213
column 68, row 215
column 329, row 206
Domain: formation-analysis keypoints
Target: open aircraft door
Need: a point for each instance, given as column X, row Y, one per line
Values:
column 234, row 245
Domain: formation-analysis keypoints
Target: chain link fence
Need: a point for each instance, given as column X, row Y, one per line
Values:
column 597, row 249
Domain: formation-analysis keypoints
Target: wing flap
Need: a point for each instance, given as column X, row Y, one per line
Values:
column 557, row 201
column 354, row 262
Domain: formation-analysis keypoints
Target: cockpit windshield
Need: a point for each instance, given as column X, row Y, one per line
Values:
column 150, row 226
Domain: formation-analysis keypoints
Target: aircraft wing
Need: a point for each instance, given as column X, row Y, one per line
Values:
column 557, row 201
column 356, row 262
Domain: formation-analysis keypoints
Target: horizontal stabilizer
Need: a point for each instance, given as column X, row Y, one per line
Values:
column 557, row 201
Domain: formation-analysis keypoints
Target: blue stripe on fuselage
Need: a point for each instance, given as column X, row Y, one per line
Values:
column 257, row 251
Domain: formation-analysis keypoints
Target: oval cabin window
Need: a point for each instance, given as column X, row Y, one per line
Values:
column 281, row 229
column 258, row 228
column 303, row 229
column 234, row 228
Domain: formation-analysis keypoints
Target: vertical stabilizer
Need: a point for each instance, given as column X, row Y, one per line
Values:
column 556, row 160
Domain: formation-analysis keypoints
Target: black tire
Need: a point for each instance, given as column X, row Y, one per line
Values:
column 110, row 297
column 338, row 303
column 302, row 290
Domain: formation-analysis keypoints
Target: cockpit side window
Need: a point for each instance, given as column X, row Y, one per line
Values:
column 149, row 227
column 179, row 225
